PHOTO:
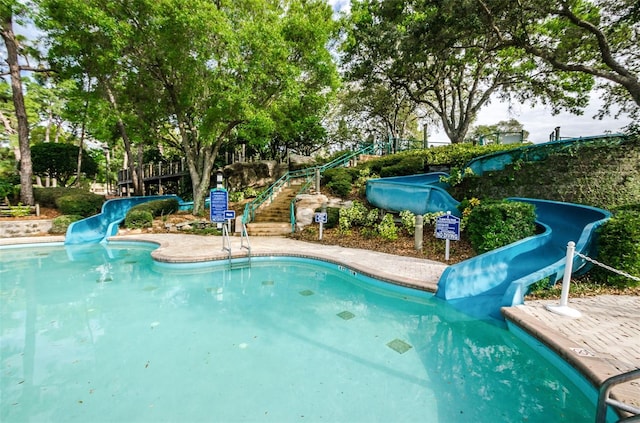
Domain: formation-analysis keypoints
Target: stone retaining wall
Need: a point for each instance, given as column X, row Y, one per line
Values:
column 20, row 228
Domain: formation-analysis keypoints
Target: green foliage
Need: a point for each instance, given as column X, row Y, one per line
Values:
column 619, row 247
column 83, row 204
column 236, row 196
column 250, row 192
column 408, row 165
column 339, row 181
column 387, row 228
column 9, row 177
column 495, row 224
column 60, row 224
column 138, row 219
column 364, row 174
column 19, row 210
column 356, row 215
column 158, row 207
column 603, row 173
column 456, row 176
column 47, row 197
column 60, row 161
column 454, row 156
column 408, row 220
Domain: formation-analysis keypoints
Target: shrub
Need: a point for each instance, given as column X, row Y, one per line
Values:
column 236, row 196
column 409, row 165
column 47, row 197
column 356, row 215
column 158, row 207
column 495, row 224
column 60, row 224
column 408, row 220
column 619, row 247
column 339, row 181
column 137, row 219
column 387, row 228
column 250, row 192
column 83, row 203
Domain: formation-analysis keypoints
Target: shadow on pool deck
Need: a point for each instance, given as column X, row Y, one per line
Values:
column 604, row 342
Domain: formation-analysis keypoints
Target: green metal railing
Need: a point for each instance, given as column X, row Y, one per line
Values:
column 308, row 174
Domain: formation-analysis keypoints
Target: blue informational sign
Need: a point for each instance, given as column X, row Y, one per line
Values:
column 448, row 227
column 230, row 214
column 219, row 200
column 321, row 218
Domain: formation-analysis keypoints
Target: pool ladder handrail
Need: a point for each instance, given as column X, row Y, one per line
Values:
column 604, row 400
column 244, row 242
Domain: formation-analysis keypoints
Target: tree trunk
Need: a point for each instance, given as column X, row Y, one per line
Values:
column 26, row 167
column 127, row 142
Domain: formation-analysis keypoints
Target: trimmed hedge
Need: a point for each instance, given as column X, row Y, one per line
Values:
column 339, row 181
column 137, row 219
column 495, row 224
column 83, row 203
column 141, row 215
column 158, row 207
column 47, row 197
column 619, row 247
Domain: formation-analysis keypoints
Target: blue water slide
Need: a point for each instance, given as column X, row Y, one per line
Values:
column 480, row 286
column 101, row 226
column 420, row 194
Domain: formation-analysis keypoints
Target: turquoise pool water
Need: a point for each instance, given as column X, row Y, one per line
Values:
column 99, row 333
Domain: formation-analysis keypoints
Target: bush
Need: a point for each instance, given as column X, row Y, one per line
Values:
column 339, row 181
column 60, row 224
column 495, row 224
column 47, row 197
column 137, row 219
column 158, row 207
column 408, row 221
column 356, row 215
column 236, row 196
column 619, row 247
column 84, row 204
column 409, row 165
column 250, row 192
column 387, row 228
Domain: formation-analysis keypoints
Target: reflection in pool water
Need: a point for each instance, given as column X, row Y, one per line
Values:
column 102, row 333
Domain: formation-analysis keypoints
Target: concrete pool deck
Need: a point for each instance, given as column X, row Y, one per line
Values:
column 603, row 342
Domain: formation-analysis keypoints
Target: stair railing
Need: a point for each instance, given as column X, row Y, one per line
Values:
column 340, row 161
column 308, row 174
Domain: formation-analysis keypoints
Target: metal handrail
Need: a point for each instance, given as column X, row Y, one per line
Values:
column 226, row 241
column 250, row 208
column 604, row 400
column 244, row 236
column 340, row 161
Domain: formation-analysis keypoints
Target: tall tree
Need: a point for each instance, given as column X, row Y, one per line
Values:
column 438, row 53
column 194, row 70
column 9, row 9
column 599, row 38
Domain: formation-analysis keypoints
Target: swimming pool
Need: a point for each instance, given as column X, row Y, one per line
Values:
column 103, row 333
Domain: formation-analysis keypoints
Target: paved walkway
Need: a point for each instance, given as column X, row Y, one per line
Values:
column 604, row 342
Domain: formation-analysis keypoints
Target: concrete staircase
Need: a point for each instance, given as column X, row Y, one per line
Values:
column 274, row 219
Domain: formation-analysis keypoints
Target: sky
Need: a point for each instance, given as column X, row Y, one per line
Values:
column 537, row 120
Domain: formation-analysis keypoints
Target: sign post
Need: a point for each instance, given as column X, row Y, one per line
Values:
column 448, row 228
column 321, row 218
